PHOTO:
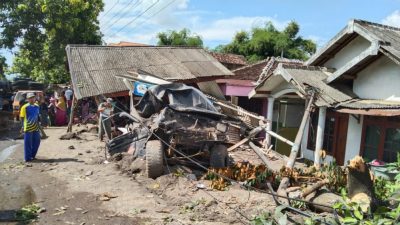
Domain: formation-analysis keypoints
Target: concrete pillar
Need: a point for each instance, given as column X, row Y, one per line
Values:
column 320, row 136
column 304, row 141
column 270, row 110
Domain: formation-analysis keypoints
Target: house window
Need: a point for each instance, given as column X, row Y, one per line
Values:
column 329, row 132
column 381, row 138
column 392, row 144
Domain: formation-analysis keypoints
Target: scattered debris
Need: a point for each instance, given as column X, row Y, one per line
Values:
column 89, row 173
column 107, row 196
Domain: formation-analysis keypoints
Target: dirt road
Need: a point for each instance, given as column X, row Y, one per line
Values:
column 74, row 183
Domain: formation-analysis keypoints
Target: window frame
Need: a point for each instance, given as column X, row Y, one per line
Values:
column 383, row 123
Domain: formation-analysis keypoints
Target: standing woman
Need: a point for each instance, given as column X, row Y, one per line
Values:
column 44, row 116
column 61, row 111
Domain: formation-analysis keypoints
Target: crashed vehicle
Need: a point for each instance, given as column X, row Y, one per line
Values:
column 172, row 119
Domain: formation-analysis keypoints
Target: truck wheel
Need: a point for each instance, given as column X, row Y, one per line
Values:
column 219, row 156
column 154, row 159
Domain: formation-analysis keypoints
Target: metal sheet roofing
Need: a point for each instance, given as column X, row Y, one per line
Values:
column 93, row 68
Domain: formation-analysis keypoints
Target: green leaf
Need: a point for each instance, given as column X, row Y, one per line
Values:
column 350, row 220
column 358, row 214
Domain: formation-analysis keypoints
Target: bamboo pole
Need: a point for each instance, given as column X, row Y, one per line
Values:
column 260, row 154
column 295, row 148
column 277, row 136
column 71, row 115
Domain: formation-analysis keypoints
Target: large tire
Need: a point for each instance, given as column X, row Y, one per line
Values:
column 154, row 159
column 219, row 156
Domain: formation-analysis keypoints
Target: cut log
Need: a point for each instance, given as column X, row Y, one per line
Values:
column 321, row 198
column 359, row 183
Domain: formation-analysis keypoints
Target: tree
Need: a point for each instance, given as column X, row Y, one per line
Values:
column 3, row 67
column 41, row 29
column 266, row 41
column 179, row 38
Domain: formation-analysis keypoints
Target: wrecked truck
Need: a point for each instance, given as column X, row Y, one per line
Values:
column 176, row 121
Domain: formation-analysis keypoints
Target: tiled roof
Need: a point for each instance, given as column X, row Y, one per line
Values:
column 229, row 58
column 387, row 38
column 306, row 77
column 93, row 68
column 250, row 72
column 370, row 104
column 259, row 71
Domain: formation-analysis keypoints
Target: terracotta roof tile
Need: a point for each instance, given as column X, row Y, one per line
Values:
column 229, row 58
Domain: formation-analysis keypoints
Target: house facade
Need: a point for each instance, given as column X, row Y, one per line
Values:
column 355, row 78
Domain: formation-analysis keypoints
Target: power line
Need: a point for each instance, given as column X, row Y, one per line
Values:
column 155, row 14
column 127, row 10
column 137, row 17
column 112, row 7
column 119, row 13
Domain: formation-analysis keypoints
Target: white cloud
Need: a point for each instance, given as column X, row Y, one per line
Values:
column 393, row 19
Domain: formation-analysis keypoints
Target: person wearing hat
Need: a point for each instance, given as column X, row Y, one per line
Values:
column 105, row 109
column 30, row 115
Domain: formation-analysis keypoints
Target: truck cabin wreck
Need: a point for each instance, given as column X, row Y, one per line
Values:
column 357, row 108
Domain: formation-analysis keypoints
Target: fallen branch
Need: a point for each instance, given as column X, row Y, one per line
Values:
column 314, row 187
column 252, row 134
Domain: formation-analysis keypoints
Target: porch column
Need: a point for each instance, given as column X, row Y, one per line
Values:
column 320, row 136
column 270, row 110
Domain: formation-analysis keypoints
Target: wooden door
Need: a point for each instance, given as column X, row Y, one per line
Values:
column 342, row 122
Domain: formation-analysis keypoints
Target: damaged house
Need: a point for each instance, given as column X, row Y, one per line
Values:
column 95, row 69
column 355, row 78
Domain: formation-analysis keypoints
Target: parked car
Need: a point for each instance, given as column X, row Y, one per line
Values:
column 176, row 116
column 21, row 96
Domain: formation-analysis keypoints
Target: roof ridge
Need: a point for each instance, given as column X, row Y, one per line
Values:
column 148, row 46
column 250, row 65
column 359, row 21
column 226, row 53
column 294, row 66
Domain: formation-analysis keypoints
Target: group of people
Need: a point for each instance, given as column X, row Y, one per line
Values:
column 35, row 115
column 56, row 111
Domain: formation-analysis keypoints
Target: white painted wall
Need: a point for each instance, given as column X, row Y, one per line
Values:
column 380, row 80
column 353, row 142
column 308, row 154
column 351, row 50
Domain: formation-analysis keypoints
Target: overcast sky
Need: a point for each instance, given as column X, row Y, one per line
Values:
column 216, row 21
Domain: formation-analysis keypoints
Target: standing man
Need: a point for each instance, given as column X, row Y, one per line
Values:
column 30, row 115
column 105, row 109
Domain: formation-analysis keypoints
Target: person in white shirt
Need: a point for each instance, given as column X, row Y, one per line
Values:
column 68, row 96
column 105, row 109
